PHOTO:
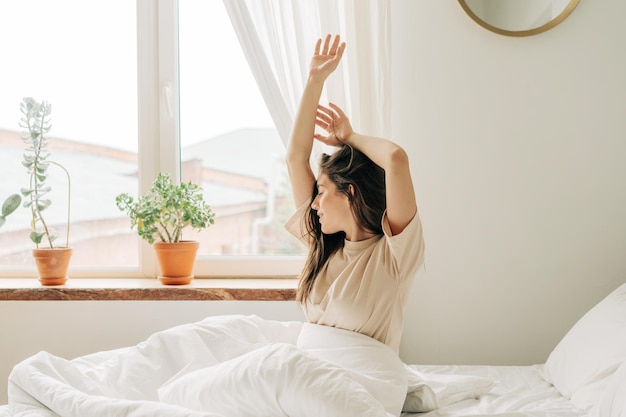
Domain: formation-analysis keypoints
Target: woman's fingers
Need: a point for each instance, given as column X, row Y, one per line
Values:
column 325, row 114
column 337, row 109
column 318, row 44
column 326, row 111
column 340, row 50
column 330, row 48
column 333, row 49
column 326, row 44
column 322, row 123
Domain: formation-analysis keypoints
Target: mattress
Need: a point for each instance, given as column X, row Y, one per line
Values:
column 517, row 391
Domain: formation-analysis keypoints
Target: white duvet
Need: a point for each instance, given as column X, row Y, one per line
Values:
column 225, row 366
column 240, row 366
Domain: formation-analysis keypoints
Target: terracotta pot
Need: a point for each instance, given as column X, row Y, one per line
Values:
column 176, row 261
column 52, row 265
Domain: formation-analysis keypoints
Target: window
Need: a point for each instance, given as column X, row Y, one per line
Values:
column 115, row 130
column 228, row 141
column 65, row 52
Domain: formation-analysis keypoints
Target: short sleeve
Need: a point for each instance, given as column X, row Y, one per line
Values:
column 295, row 224
column 407, row 247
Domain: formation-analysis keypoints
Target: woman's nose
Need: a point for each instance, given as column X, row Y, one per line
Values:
column 314, row 204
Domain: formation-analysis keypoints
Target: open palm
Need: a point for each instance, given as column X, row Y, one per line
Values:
column 326, row 58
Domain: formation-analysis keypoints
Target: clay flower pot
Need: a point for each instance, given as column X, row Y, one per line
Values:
column 52, row 265
column 176, row 261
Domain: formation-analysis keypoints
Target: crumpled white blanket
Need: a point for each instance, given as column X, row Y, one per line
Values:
column 224, row 366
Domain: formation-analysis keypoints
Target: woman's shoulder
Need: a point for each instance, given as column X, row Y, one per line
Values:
column 410, row 231
column 403, row 252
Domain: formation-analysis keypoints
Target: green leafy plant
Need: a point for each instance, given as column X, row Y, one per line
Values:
column 36, row 119
column 9, row 206
column 167, row 209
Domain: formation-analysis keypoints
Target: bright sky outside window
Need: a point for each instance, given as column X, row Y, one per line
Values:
column 66, row 52
column 228, row 141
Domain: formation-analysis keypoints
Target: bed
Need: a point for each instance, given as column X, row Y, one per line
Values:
column 194, row 370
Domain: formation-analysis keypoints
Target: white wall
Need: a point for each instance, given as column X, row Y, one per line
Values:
column 517, row 148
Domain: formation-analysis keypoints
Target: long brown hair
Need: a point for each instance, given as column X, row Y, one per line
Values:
column 345, row 167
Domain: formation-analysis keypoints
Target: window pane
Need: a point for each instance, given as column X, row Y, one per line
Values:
column 82, row 58
column 228, row 142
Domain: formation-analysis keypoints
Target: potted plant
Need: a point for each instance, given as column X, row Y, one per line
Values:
column 160, row 217
column 52, row 260
column 9, row 206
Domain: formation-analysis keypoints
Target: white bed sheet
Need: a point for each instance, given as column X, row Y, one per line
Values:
column 518, row 391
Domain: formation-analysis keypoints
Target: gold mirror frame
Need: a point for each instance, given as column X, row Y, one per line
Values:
column 533, row 31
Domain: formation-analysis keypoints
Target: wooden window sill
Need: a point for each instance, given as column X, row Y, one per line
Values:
column 78, row 289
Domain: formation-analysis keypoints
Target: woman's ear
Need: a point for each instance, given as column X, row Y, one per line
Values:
column 351, row 189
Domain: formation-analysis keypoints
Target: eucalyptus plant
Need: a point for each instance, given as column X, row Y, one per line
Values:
column 36, row 120
column 9, row 206
column 167, row 209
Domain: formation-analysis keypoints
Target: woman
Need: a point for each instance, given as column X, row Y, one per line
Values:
column 360, row 222
column 363, row 206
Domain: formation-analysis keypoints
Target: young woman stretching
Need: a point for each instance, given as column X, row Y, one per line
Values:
column 358, row 217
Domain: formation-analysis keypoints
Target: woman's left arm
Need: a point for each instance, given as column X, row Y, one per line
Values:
column 392, row 158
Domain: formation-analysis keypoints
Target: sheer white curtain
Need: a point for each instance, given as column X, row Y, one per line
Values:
column 278, row 37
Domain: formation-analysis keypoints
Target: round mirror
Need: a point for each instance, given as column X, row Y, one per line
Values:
column 518, row 17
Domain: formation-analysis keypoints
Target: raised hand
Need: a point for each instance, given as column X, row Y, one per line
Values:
column 335, row 122
column 325, row 59
column 327, row 56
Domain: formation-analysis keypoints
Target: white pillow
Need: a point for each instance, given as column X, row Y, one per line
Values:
column 583, row 361
column 613, row 402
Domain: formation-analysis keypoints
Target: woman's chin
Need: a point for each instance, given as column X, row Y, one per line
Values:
column 329, row 231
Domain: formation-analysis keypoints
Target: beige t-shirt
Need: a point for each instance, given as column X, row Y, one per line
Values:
column 364, row 287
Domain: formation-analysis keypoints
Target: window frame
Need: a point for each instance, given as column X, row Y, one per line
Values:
column 159, row 110
column 158, row 130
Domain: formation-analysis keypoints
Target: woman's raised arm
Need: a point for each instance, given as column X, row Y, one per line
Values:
column 325, row 60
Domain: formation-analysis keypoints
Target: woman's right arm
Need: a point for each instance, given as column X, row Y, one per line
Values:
column 325, row 60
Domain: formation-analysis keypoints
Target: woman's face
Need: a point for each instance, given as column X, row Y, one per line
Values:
column 332, row 207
